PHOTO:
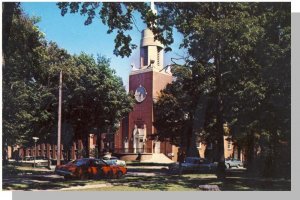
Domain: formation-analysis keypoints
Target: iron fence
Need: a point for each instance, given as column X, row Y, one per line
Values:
column 132, row 150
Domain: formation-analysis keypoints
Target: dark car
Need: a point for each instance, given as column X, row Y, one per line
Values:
column 233, row 163
column 87, row 168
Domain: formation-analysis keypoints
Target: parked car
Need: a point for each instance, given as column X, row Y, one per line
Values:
column 233, row 163
column 193, row 164
column 112, row 160
column 39, row 161
column 86, row 168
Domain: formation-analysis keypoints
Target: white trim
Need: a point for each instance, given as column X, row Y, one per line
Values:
column 140, row 71
column 199, row 146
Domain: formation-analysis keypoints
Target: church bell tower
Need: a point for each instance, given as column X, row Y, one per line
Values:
column 145, row 82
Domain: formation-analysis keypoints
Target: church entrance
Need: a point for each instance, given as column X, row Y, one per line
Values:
column 139, row 139
column 156, row 147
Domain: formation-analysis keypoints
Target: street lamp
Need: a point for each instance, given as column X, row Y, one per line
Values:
column 35, row 140
column 59, row 119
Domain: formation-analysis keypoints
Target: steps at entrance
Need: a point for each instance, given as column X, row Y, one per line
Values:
column 158, row 158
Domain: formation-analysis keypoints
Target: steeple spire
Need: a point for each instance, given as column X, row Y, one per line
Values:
column 153, row 7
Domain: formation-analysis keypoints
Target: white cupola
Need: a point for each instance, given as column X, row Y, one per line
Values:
column 151, row 51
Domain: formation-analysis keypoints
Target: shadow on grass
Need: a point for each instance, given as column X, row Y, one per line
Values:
column 236, row 180
column 163, row 183
column 15, row 170
column 30, row 183
column 255, row 184
column 14, row 178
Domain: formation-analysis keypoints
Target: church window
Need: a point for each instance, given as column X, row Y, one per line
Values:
column 210, row 146
column 158, row 56
column 145, row 56
column 229, row 145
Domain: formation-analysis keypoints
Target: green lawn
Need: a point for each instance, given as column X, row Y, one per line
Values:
column 26, row 178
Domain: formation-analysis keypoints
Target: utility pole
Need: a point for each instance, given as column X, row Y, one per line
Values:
column 59, row 119
column 35, row 140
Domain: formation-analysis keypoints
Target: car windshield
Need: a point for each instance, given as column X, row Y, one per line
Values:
column 111, row 162
column 80, row 162
column 100, row 162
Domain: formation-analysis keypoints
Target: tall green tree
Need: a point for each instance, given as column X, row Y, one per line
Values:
column 98, row 100
column 268, row 123
column 174, row 112
column 242, row 44
column 93, row 95
column 238, row 39
column 180, row 109
column 21, row 91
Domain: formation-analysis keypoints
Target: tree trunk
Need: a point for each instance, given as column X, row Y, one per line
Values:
column 220, row 142
column 99, row 144
column 191, row 150
column 86, row 145
column 274, row 154
column 4, row 154
column 220, row 120
column 250, row 152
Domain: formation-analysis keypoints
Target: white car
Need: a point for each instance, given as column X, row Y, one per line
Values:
column 193, row 164
column 112, row 160
column 229, row 163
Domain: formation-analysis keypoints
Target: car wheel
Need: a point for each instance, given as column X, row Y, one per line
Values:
column 110, row 174
column 119, row 174
column 100, row 174
column 180, row 171
column 83, row 176
column 107, row 174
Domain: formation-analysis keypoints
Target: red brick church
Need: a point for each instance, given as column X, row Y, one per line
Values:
column 145, row 82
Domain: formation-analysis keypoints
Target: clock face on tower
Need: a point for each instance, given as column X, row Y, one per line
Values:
column 140, row 94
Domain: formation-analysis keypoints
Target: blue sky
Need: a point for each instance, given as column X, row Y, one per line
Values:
column 70, row 33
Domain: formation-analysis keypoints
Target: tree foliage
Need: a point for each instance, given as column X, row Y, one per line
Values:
column 21, row 92
column 247, row 45
column 93, row 96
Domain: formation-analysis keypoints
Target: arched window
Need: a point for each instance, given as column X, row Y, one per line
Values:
column 158, row 56
column 145, row 61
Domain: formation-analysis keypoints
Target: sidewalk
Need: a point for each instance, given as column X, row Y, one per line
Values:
column 146, row 167
column 147, row 170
